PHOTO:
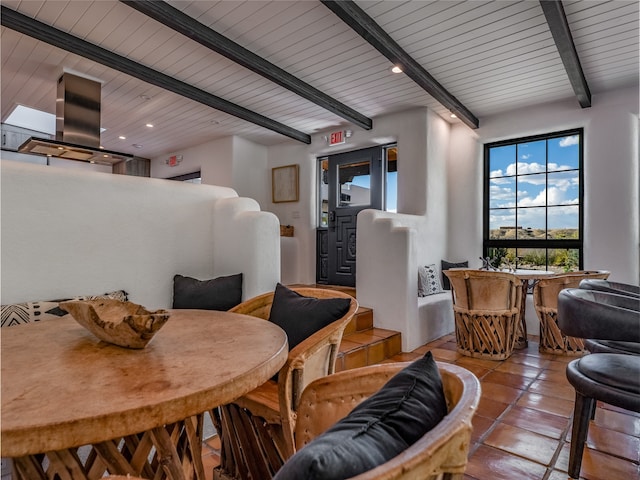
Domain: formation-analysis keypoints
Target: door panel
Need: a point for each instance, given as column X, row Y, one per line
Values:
column 355, row 183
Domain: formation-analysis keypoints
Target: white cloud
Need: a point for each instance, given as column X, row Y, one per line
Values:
column 537, row 201
column 563, row 184
column 525, row 156
column 532, row 180
column 568, row 141
column 552, row 196
column 502, row 181
column 524, row 168
column 553, row 167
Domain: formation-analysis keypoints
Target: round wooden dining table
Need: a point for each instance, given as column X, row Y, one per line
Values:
column 140, row 412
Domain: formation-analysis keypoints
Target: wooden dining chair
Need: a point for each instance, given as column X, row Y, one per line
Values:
column 439, row 453
column 545, row 301
column 256, row 430
column 486, row 306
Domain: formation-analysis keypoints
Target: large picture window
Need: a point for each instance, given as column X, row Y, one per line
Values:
column 533, row 201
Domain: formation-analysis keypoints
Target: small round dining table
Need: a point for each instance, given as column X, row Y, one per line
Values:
column 135, row 412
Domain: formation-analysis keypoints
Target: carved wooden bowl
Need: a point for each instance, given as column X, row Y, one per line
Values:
column 125, row 324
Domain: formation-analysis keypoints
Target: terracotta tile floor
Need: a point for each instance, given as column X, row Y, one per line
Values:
column 522, row 427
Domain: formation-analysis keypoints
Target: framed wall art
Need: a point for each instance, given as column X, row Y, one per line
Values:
column 284, row 184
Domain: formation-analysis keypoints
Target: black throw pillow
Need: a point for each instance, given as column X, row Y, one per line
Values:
column 444, row 265
column 410, row 404
column 220, row 293
column 300, row 316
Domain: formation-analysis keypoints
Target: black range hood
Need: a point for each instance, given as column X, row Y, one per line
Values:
column 77, row 125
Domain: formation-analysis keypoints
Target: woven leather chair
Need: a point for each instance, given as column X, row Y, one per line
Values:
column 612, row 346
column 257, row 429
column 545, row 301
column 610, row 378
column 443, row 450
column 486, row 306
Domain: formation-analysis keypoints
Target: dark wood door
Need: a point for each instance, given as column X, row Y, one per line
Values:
column 355, row 183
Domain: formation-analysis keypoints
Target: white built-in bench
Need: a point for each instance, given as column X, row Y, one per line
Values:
column 390, row 247
column 435, row 316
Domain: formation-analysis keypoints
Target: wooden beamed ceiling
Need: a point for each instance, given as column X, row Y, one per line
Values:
column 367, row 28
column 296, row 68
column 45, row 33
column 180, row 22
column 557, row 20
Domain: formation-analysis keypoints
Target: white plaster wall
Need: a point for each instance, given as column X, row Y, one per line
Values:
column 408, row 129
column 464, row 177
column 70, row 232
column 251, row 177
column 214, row 160
column 230, row 162
column 391, row 246
column 611, row 225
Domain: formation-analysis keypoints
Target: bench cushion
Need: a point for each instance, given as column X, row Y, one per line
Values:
column 41, row 310
column 221, row 293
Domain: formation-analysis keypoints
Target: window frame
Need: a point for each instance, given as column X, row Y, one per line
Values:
column 546, row 244
column 187, row 176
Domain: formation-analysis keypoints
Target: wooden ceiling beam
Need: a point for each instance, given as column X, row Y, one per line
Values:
column 367, row 28
column 557, row 21
column 191, row 28
column 48, row 34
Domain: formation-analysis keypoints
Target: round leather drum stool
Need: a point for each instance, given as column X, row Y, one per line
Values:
column 610, row 378
column 606, row 377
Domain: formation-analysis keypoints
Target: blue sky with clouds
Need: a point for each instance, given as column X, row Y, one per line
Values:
column 531, row 175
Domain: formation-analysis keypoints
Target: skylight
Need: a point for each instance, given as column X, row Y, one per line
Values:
column 37, row 120
column 32, row 119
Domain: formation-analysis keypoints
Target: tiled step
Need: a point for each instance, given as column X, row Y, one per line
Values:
column 367, row 347
column 362, row 343
column 362, row 320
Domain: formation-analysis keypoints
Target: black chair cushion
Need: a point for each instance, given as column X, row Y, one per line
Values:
column 620, row 372
column 410, row 404
column 300, row 316
column 444, row 265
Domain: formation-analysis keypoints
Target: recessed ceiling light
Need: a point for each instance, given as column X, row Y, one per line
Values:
column 453, row 115
column 150, row 125
column 145, row 97
column 136, row 145
column 396, row 69
column 122, row 137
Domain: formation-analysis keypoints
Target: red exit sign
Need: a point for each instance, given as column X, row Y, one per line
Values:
column 337, row 138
